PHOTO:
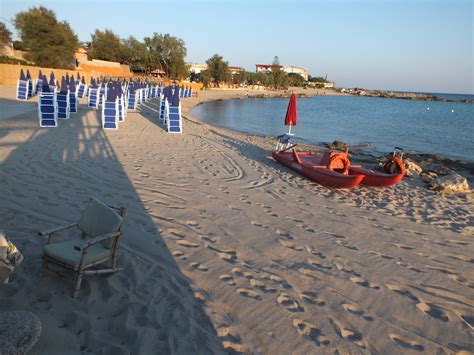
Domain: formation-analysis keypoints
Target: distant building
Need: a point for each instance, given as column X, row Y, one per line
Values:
column 196, row 68
column 236, row 70
column 267, row 68
column 297, row 70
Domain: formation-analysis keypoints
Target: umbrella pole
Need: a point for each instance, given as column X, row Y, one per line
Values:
column 289, row 130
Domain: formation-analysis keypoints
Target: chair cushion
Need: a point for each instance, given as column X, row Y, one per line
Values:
column 65, row 253
column 98, row 219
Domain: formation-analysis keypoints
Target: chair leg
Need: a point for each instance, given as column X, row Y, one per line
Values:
column 77, row 284
column 44, row 268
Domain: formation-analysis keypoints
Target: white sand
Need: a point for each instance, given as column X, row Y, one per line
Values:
column 226, row 249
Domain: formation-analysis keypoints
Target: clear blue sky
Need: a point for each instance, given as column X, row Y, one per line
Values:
column 417, row 45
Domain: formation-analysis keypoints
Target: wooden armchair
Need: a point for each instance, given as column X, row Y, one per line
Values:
column 101, row 229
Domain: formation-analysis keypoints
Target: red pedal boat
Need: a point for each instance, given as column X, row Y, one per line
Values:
column 394, row 167
column 330, row 169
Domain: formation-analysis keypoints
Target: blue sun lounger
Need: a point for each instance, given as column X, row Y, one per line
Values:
column 110, row 111
column 47, row 106
column 174, row 120
column 63, row 101
column 22, row 87
column 72, row 97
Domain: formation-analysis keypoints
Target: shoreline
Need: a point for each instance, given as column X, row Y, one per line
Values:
column 360, row 154
column 224, row 249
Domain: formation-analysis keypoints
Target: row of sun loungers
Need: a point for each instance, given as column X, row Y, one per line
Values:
column 113, row 98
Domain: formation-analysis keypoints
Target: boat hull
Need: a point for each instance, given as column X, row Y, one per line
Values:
column 374, row 178
column 321, row 175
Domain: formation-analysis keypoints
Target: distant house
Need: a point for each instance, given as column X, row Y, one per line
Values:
column 197, row 68
column 100, row 66
column 267, row 68
column 297, row 70
column 236, row 70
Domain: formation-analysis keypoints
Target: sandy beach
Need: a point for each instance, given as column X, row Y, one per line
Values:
column 224, row 249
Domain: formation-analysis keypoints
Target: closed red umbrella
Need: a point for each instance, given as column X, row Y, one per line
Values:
column 291, row 117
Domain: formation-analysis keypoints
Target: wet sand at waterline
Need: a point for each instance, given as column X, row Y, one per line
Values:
column 226, row 250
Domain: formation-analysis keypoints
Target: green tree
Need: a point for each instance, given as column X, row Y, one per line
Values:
column 167, row 53
column 134, row 52
column 106, row 45
column 205, row 77
column 218, row 69
column 279, row 77
column 5, row 34
column 295, row 79
column 50, row 43
column 239, row 78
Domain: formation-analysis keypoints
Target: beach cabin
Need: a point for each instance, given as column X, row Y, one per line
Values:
column 22, row 87
column 47, row 106
column 110, row 110
column 174, row 121
column 62, row 98
column 72, row 97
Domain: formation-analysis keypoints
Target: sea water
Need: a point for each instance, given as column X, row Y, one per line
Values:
column 444, row 128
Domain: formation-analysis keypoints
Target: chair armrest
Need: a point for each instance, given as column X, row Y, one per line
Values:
column 96, row 240
column 57, row 229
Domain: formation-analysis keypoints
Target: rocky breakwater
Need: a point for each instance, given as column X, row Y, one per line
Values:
column 398, row 95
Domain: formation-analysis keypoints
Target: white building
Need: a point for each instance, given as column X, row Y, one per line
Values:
column 267, row 68
column 196, row 68
column 297, row 70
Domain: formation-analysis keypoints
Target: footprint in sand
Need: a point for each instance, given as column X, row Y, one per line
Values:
column 355, row 309
column 363, row 282
column 290, row 304
column 237, row 272
column 257, row 224
column 442, row 270
column 179, row 254
column 433, row 311
column 352, row 335
column 312, row 251
column 245, row 292
column 402, row 291
column 228, row 279
column 401, row 262
column 192, row 223
column 283, row 234
column 290, row 245
column 405, row 343
column 458, row 242
column 346, row 245
column 310, row 331
column 466, row 319
column 187, row 243
column 462, row 280
column 401, row 246
column 380, row 255
column 346, row 269
column 461, row 257
column 316, row 263
column 228, row 257
column 198, row 266
column 208, row 239
column 312, row 298
column 276, row 279
column 261, row 285
column 335, row 235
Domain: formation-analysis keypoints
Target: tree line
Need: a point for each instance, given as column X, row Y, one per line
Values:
column 52, row 43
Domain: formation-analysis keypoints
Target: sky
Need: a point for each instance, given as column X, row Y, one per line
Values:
column 412, row 45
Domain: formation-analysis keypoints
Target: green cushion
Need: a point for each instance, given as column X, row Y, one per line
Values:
column 98, row 219
column 65, row 252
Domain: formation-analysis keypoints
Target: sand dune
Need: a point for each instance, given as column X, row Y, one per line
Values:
column 227, row 251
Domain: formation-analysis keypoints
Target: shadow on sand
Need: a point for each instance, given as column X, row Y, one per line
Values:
column 46, row 178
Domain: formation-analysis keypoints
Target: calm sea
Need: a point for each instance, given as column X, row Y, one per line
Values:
column 443, row 128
